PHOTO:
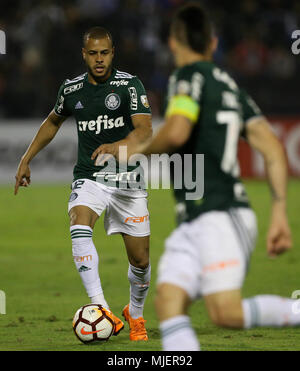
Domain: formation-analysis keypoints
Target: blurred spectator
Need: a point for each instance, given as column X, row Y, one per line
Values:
column 282, row 64
column 250, row 56
column 44, row 40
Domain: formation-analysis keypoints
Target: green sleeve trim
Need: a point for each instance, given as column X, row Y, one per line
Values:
column 185, row 106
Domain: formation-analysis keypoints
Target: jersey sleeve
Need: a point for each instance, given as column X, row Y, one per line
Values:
column 138, row 98
column 184, row 95
column 249, row 110
column 60, row 106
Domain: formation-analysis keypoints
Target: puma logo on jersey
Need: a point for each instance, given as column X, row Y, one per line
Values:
column 102, row 122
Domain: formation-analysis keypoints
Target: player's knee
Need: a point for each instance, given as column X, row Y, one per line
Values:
column 73, row 217
column 77, row 217
column 140, row 259
column 141, row 263
column 220, row 318
column 82, row 215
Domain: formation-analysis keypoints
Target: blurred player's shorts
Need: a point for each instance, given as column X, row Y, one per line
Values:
column 211, row 253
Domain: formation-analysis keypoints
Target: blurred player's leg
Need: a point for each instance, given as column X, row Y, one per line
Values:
column 227, row 309
column 177, row 333
column 270, row 311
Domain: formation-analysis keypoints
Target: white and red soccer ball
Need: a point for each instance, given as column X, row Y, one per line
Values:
column 92, row 322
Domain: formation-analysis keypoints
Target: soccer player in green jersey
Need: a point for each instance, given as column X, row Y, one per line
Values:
column 208, row 253
column 111, row 110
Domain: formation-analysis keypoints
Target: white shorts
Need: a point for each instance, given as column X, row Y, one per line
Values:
column 126, row 209
column 211, row 253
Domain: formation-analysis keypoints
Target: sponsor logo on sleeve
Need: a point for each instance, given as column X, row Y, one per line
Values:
column 133, row 98
column 72, row 88
column 144, row 101
column 60, row 106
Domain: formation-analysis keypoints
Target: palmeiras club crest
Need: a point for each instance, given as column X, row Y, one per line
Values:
column 112, row 101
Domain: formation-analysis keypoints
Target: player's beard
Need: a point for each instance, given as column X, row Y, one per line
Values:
column 101, row 78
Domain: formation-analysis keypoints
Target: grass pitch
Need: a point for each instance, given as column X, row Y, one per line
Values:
column 43, row 289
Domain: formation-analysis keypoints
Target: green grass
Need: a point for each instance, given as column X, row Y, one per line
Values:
column 43, row 289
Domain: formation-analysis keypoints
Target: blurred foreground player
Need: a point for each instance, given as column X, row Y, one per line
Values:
column 208, row 253
column 111, row 109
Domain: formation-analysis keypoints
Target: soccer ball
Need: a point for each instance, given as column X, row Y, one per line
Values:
column 92, row 322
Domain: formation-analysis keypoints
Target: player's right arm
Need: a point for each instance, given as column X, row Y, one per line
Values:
column 45, row 134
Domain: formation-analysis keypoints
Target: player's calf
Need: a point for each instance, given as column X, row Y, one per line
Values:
column 225, row 309
column 175, row 327
column 170, row 301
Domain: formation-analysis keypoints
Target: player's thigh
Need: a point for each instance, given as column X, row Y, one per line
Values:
column 137, row 249
column 83, row 215
column 178, row 266
column 225, row 308
column 127, row 213
column 224, row 245
column 86, row 203
column 205, row 256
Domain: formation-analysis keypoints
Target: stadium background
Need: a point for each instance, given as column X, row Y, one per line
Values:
column 44, row 39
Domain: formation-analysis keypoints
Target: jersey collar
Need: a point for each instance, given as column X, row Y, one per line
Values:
column 111, row 77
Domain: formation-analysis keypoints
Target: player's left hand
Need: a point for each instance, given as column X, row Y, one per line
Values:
column 279, row 237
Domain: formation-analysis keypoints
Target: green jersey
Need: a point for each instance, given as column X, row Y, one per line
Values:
column 219, row 111
column 103, row 114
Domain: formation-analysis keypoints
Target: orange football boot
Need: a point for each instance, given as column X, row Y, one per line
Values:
column 119, row 325
column 136, row 326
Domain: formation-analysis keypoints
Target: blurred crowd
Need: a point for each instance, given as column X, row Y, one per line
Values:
column 44, row 40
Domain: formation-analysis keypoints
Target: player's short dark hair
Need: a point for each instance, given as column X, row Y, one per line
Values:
column 191, row 26
column 97, row 33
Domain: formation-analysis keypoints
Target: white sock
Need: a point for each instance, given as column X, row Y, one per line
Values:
column 139, row 285
column 86, row 260
column 177, row 334
column 99, row 299
column 270, row 311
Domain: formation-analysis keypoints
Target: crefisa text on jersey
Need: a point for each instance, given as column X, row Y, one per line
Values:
column 101, row 122
column 151, row 360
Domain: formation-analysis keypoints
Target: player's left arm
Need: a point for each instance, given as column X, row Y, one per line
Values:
column 258, row 132
column 261, row 137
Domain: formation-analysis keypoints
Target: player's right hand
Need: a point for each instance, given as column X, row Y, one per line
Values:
column 22, row 176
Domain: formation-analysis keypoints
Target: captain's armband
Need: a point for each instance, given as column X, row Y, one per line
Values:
column 185, row 106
